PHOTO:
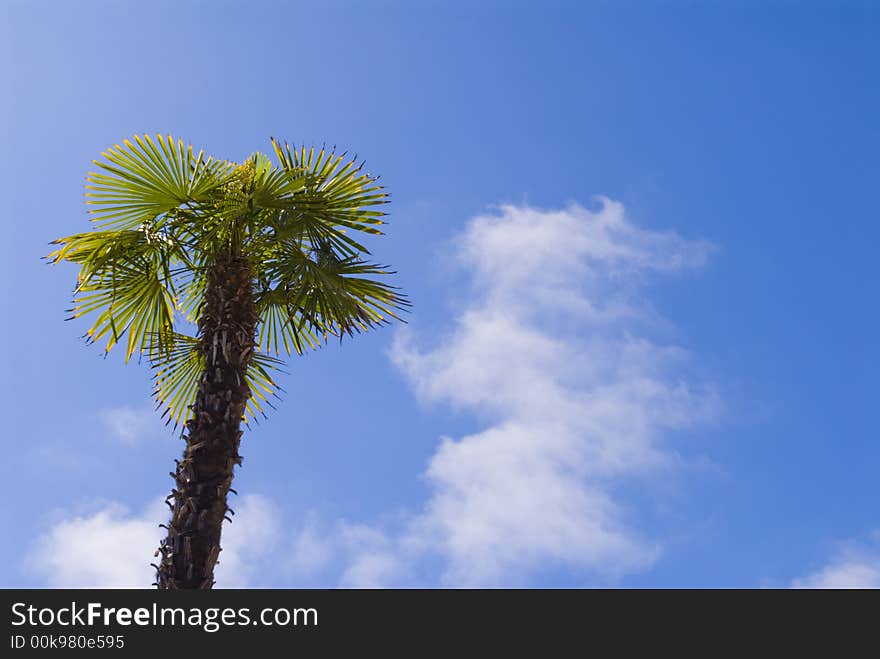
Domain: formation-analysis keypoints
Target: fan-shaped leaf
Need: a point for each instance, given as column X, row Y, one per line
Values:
column 143, row 179
column 179, row 367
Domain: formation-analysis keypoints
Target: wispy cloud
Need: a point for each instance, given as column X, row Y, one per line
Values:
column 551, row 346
column 129, row 425
column 108, row 548
column 249, row 543
column 309, row 552
column 112, row 547
column 854, row 565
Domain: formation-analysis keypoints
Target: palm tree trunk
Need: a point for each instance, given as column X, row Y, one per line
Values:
column 204, row 475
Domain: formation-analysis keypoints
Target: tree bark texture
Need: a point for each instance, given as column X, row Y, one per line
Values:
column 203, row 477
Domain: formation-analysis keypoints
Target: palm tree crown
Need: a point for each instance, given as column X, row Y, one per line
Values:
column 163, row 216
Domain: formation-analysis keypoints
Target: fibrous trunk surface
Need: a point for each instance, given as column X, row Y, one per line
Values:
column 204, row 475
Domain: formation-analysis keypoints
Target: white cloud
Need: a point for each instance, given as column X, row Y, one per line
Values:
column 249, row 542
column 128, row 424
column 855, row 565
column 550, row 347
column 113, row 548
column 372, row 560
column 354, row 555
column 110, row 548
column 310, row 550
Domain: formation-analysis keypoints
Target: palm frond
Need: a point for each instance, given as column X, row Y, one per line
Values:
column 125, row 276
column 177, row 371
column 306, row 297
column 280, row 321
column 176, row 377
column 261, row 383
column 332, row 194
column 144, row 179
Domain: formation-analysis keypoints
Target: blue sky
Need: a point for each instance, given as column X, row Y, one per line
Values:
column 640, row 239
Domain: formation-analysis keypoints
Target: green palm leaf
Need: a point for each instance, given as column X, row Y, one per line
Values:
column 125, row 276
column 144, row 179
column 331, row 195
column 179, row 366
column 307, row 296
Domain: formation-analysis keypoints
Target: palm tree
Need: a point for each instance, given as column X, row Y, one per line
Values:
column 254, row 259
